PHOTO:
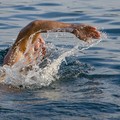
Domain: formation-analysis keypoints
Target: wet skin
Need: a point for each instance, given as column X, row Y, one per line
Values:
column 20, row 49
column 36, row 49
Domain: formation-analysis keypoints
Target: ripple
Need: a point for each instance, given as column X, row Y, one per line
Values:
column 22, row 7
column 102, row 20
column 57, row 14
column 6, row 110
column 112, row 30
column 26, row 16
column 114, row 10
column 115, row 23
column 48, row 4
column 103, row 76
column 80, row 18
column 110, row 15
column 7, row 26
column 78, row 108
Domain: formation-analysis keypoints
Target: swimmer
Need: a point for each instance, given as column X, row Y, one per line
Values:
column 18, row 50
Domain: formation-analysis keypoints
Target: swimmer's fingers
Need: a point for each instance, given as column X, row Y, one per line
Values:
column 86, row 32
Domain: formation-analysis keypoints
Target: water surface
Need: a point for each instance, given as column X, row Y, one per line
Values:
column 89, row 84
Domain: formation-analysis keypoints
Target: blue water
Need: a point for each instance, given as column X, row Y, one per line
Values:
column 89, row 84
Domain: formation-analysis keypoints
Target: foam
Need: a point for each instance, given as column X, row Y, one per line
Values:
column 44, row 72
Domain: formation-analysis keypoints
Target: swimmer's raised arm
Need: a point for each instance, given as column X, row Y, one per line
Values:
column 83, row 32
column 19, row 48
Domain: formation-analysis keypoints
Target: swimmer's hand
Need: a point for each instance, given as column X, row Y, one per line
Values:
column 85, row 32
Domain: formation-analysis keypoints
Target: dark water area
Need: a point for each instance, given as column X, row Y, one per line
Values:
column 89, row 86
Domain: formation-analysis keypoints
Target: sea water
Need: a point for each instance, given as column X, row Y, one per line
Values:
column 76, row 81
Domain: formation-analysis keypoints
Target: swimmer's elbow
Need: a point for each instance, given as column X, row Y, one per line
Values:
column 35, row 23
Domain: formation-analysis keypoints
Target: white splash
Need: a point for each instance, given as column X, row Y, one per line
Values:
column 42, row 74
